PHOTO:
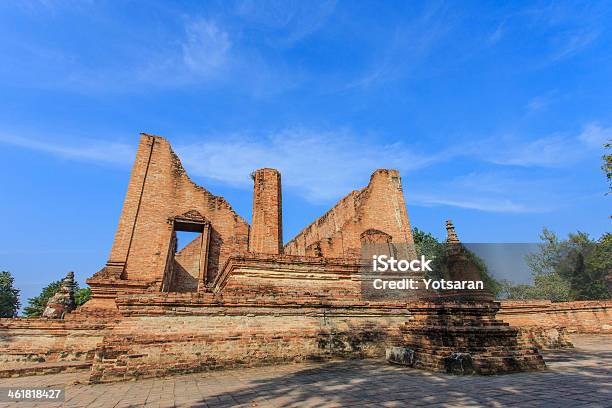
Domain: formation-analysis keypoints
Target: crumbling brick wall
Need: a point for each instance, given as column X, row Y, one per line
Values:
column 591, row 316
column 159, row 189
column 379, row 206
column 28, row 341
column 244, row 337
column 161, row 333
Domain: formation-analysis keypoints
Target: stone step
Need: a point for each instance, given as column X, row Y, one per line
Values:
column 43, row 368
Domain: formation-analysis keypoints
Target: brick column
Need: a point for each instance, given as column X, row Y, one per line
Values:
column 266, row 235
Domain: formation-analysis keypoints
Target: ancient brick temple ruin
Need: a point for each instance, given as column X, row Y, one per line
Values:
column 236, row 296
column 161, row 200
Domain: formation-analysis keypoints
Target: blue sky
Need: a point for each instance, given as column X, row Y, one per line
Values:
column 494, row 113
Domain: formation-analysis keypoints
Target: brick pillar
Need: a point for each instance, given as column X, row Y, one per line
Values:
column 266, row 235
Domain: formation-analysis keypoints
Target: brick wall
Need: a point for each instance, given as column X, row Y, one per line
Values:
column 153, row 346
column 187, row 267
column 159, row 189
column 163, row 333
column 27, row 341
column 379, row 206
column 592, row 316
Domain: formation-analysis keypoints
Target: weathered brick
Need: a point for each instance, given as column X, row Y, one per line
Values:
column 235, row 297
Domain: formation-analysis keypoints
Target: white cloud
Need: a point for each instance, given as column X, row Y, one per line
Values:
column 320, row 165
column 285, row 22
column 556, row 150
column 594, row 135
column 489, row 191
column 496, row 35
column 408, row 47
column 540, row 102
column 206, row 48
column 549, row 151
column 324, row 165
column 96, row 151
column 212, row 55
column 564, row 29
column 479, row 204
column 572, row 44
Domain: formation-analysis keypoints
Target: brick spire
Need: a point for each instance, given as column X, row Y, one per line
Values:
column 451, row 235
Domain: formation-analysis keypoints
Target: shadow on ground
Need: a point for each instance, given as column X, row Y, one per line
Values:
column 574, row 378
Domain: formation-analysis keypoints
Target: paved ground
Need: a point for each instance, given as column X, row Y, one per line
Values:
column 577, row 378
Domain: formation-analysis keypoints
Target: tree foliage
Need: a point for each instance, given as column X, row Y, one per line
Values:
column 572, row 269
column 548, row 287
column 9, row 296
column 607, row 166
column 36, row 305
column 81, row 296
column 427, row 245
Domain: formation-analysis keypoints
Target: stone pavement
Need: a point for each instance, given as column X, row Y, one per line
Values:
column 575, row 378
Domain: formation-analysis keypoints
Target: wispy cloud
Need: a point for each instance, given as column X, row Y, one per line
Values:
column 204, row 54
column 541, row 102
column 565, row 30
column 285, row 22
column 496, row 35
column 594, row 135
column 324, row 165
column 572, row 44
column 476, row 203
column 320, row 165
column 407, row 47
column 96, row 151
column 194, row 51
column 209, row 55
column 206, row 48
column 555, row 150
column 489, row 191
column 549, row 151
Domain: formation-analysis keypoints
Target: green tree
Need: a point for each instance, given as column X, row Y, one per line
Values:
column 81, row 296
column 511, row 291
column 572, row 269
column 579, row 261
column 543, row 262
column 550, row 287
column 607, row 166
column 427, row 245
column 36, row 305
column 9, row 296
column 597, row 269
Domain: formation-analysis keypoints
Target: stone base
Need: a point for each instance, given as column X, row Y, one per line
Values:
column 467, row 339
